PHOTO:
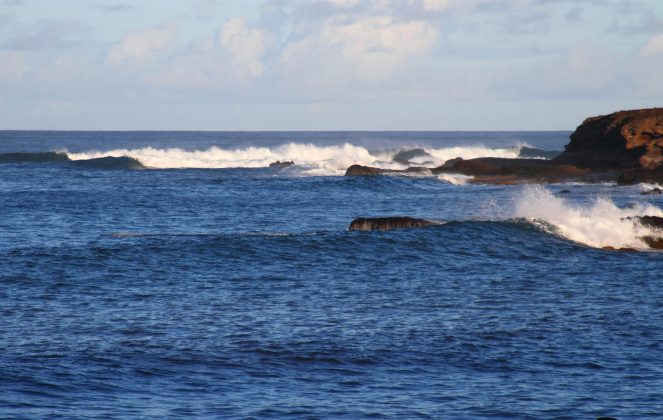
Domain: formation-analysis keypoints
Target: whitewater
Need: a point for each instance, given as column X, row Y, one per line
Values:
column 318, row 160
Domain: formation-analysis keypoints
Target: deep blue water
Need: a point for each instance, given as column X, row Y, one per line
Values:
column 239, row 292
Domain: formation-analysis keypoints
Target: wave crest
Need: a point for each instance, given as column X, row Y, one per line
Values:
column 600, row 224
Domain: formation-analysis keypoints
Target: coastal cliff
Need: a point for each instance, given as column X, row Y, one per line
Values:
column 622, row 140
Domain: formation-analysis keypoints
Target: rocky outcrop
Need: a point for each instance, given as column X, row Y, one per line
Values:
column 496, row 171
column 652, row 222
column 279, row 164
column 388, row 223
column 623, row 140
column 360, row 170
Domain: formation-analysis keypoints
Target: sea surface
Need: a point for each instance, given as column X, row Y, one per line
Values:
column 194, row 281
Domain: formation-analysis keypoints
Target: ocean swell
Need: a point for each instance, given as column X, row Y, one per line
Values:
column 106, row 162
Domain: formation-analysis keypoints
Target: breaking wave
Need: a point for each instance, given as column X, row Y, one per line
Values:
column 598, row 224
column 312, row 159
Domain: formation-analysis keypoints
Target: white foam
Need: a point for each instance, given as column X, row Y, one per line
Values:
column 313, row 159
column 472, row 152
column 645, row 186
column 598, row 224
column 454, row 179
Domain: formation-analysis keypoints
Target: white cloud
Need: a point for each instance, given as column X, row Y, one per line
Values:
column 13, row 66
column 245, row 45
column 142, row 44
column 654, row 46
column 371, row 47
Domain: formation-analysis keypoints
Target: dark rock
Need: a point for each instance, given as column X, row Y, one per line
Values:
column 653, row 242
column 366, row 170
column 652, row 222
column 388, row 223
column 623, row 140
column 611, row 248
column 405, row 157
column 369, row 170
column 279, row 164
column 507, row 171
column 500, row 166
column 654, row 191
column 564, row 192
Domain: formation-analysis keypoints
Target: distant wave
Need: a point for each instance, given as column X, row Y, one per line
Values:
column 310, row 158
column 107, row 162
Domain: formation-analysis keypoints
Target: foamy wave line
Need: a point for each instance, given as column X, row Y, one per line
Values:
column 315, row 160
column 598, row 224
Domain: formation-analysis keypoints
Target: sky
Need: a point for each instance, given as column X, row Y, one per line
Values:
column 326, row 64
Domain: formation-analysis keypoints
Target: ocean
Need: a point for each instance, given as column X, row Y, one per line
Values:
column 194, row 281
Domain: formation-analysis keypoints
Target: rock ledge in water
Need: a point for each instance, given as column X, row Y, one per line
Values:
column 388, row 223
column 284, row 164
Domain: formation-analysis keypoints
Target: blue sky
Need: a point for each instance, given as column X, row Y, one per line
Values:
column 326, row 64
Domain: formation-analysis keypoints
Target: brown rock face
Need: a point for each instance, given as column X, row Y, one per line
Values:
column 623, row 140
column 388, row 223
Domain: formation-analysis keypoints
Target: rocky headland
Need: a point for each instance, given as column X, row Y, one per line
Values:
column 625, row 147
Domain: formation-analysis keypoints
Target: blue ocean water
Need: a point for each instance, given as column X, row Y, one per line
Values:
column 210, row 285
